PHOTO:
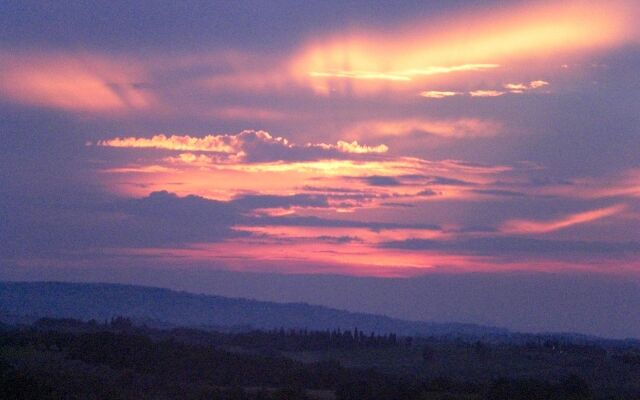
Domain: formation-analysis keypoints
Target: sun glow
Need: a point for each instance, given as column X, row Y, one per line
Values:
column 365, row 62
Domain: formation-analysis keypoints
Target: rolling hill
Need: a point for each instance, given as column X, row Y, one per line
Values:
column 155, row 305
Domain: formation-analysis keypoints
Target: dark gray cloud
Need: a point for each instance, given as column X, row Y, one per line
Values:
column 498, row 192
column 379, row 180
column 84, row 222
column 339, row 239
column 311, row 221
column 444, row 181
column 398, row 204
column 88, row 221
column 428, row 192
column 323, row 189
column 252, row 202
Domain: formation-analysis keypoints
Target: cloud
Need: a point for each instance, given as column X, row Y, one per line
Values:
column 401, row 75
column 247, row 113
column 537, row 84
column 427, row 193
column 248, row 145
column 397, row 204
column 500, row 245
column 435, row 94
column 281, row 168
column 523, row 87
column 513, row 88
column 533, row 227
column 356, row 148
column 209, row 143
column 256, row 202
column 499, row 192
column 81, row 225
column 486, row 93
column 444, row 181
column 378, row 180
column 312, row 221
column 374, row 62
column 72, row 82
column 460, row 128
column 76, row 226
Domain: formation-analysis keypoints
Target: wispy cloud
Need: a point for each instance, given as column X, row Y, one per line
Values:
column 534, row 227
column 401, row 75
column 72, row 82
column 461, row 128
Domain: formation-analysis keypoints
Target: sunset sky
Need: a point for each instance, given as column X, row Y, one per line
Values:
column 387, row 139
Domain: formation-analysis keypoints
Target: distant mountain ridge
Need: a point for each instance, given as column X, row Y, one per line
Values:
column 102, row 301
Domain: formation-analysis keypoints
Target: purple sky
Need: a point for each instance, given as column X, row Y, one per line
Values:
column 375, row 139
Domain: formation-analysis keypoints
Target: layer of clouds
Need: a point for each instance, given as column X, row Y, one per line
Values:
column 158, row 220
column 249, row 146
column 153, row 73
column 90, row 223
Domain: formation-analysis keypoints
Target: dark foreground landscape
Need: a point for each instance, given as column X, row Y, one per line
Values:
column 132, row 355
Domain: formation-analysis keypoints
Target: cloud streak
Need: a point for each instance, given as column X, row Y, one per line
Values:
column 247, row 145
column 512, row 88
column 455, row 129
column 536, row 227
column 402, row 75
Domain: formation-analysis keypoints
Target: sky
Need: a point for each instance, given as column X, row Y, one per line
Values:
column 369, row 139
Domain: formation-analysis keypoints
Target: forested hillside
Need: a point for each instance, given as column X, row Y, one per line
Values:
column 72, row 359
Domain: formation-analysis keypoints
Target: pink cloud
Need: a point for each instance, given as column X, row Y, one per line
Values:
column 73, row 82
column 533, row 227
column 456, row 129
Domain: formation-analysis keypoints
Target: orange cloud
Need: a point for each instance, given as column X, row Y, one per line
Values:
column 537, row 84
column 435, row 94
column 223, row 166
column 345, row 182
column 373, row 61
column 514, row 88
column 239, row 145
column 356, row 148
column 402, row 75
column 533, row 227
column 522, row 87
column 71, row 82
column 486, row 93
column 209, row 143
